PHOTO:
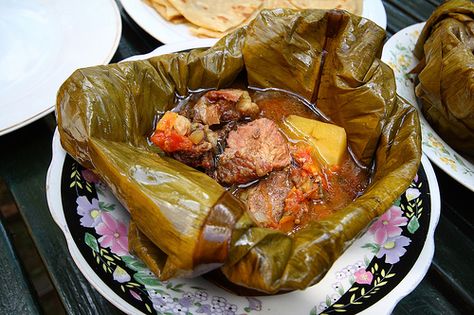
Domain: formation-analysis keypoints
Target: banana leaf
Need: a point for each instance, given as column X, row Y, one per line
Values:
column 184, row 223
column 446, row 74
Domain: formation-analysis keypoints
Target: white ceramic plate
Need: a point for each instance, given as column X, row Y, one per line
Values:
column 42, row 43
column 366, row 278
column 167, row 32
column 398, row 54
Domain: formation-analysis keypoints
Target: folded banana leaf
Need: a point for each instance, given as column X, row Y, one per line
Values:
column 446, row 73
column 184, row 223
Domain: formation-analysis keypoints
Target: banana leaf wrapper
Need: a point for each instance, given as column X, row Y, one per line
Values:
column 184, row 223
column 446, row 74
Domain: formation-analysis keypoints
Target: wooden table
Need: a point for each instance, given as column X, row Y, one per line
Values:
column 448, row 288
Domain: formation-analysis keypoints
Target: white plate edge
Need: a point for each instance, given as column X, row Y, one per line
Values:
column 169, row 37
column 106, row 60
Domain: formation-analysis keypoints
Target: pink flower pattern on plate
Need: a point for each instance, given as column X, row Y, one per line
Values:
column 114, row 234
column 363, row 277
column 388, row 225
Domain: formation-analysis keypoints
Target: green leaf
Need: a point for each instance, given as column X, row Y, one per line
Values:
column 247, row 309
column 382, row 273
column 340, row 310
column 352, row 298
column 353, row 289
column 176, row 289
column 72, row 184
column 382, row 283
column 389, row 275
column 374, row 248
column 338, row 305
column 366, row 261
column 133, row 263
column 106, row 206
column 351, row 280
column 313, row 311
column 104, row 267
column 79, row 184
column 328, row 300
column 397, row 202
column 376, row 266
column 198, row 288
column 108, row 257
column 362, row 291
column 121, row 287
column 134, row 284
column 413, row 225
column 148, row 307
column 147, row 280
column 357, row 303
column 91, row 241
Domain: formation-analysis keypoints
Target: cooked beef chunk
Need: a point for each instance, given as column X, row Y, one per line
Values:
column 266, row 200
column 253, row 150
column 200, row 155
column 283, row 198
column 224, row 105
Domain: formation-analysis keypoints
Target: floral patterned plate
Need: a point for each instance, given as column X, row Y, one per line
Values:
column 381, row 267
column 398, row 54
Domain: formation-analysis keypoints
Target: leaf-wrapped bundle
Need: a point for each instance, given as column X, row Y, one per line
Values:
column 105, row 114
column 446, row 73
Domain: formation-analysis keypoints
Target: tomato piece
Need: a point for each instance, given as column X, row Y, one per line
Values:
column 170, row 141
column 304, row 158
column 166, row 138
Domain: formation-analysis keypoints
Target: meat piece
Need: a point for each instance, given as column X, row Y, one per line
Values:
column 224, row 105
column 253, row 150
column 266, row 200
column 200, row 155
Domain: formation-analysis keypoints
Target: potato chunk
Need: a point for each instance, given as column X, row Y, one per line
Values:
column 329, row 141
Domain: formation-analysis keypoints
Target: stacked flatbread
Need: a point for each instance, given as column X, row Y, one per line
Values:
column 211, row 18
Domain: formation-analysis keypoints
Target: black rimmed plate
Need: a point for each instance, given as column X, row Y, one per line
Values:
column 374, row 273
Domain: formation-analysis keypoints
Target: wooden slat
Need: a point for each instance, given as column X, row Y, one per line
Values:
column 418, row 10
column 17, row 295
column 397, row 20
column 426, row 299
column 23, row 167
